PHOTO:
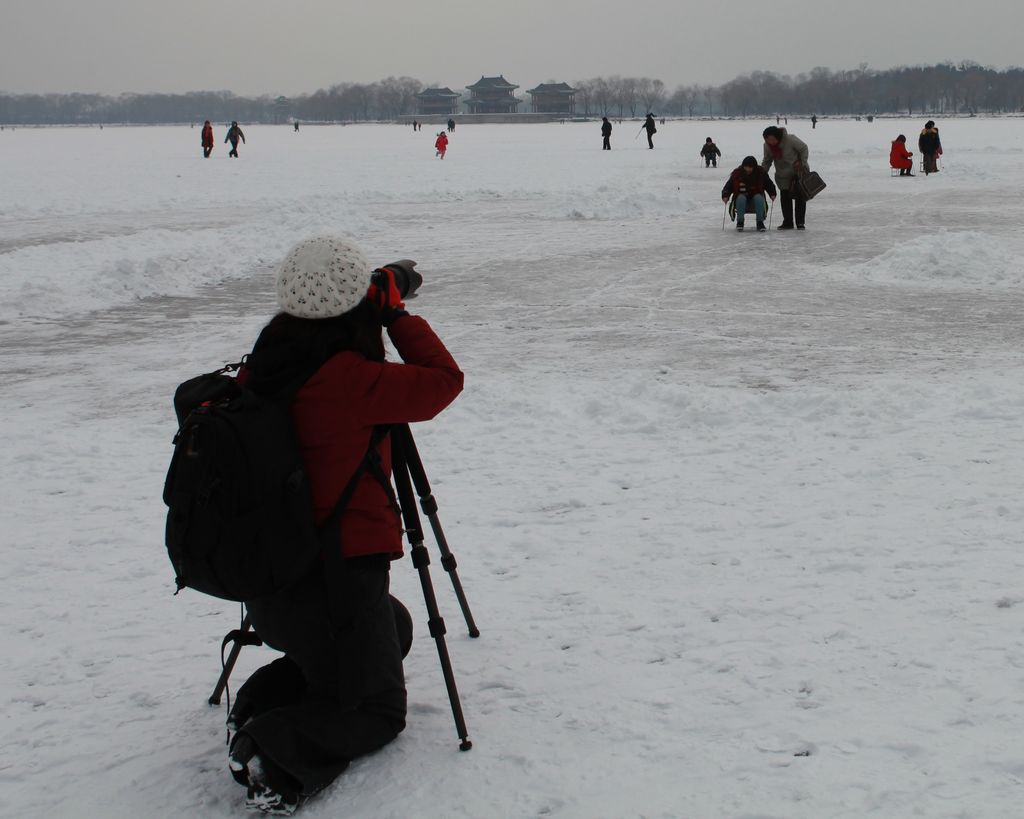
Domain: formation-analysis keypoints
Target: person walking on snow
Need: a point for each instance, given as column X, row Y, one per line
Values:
column 789, row 155
column 606, row 134
column 899, row 156
column 339, row 691
column 747, row 186
column 441, row 144
column 710, row 153
column 234, row 134
column 651, row 129
column 206, row 139
column 930, row 146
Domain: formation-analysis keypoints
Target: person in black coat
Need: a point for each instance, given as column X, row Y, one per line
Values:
column 234, row 134
column 930, row 146
column 748, row 185
column 606, row 134
column 651, row 129
column 710, row 153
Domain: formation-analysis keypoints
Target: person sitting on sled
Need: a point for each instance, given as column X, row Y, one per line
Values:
column 899, row 156
column 747, row 186
column 710, row 153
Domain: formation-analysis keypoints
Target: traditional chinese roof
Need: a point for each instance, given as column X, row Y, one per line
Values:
column 491, row 82
column 552, row 88
column 427, row 93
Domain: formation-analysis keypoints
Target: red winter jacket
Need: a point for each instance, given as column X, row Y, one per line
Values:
column 899, row 156
column 207, row 137
column 441, row 143
column 335, row 412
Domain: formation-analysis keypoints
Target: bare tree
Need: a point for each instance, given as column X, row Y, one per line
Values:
column 585, row 92
column 651, row 92
column 708, row 92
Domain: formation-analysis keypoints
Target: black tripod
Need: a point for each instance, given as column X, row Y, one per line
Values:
column 407, row 471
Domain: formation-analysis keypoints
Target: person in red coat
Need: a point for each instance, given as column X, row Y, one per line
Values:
column 899, row 156
column 339, row 690
column 441, row 143
column 207, row 139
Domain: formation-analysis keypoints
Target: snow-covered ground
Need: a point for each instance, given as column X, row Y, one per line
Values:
column 739, row 516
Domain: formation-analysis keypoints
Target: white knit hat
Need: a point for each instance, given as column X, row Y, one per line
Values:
column 322, row 277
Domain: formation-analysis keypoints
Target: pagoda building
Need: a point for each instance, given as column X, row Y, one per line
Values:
column 492, row 95
column 438, row 101
column 553, row 98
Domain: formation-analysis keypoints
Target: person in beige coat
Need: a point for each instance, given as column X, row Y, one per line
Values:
column 789, row 155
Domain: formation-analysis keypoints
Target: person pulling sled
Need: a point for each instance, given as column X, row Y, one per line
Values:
column 789, row 155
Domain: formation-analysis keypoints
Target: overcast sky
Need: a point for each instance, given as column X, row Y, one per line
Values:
column 296, row 46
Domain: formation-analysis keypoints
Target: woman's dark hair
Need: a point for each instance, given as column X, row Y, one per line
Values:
column 901, row 138
column 358, row 330
column 772, row 131
column 930, row 124
column 708, row 139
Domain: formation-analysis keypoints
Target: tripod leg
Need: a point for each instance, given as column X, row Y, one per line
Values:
column 428, row 503
column 421, row 560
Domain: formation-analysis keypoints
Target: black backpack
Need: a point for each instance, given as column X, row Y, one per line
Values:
column 240, row 515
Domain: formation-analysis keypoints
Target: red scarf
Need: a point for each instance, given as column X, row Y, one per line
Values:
column 776, row 150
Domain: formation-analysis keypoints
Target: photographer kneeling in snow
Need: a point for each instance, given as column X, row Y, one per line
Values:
column 339, row 690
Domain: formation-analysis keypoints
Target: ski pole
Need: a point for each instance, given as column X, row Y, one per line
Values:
column 724, row 215
column 771, row 212
column 639, row 132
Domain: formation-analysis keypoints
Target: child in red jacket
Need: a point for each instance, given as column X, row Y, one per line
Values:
column 441, row 144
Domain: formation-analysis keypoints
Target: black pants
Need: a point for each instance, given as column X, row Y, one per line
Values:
column 607, row 146
column 787, row 199
column 650, row 139
column 234, row 148
column 709, row 161
column 339, row 691
column 207, row 152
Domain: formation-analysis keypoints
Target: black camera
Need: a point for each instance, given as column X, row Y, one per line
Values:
column 407, row 280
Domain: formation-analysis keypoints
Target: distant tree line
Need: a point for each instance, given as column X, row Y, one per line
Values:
column 345, row 102
column 946, row 88
column 964, row 88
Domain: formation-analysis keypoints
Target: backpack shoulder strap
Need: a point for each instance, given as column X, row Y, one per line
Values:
column 371, row 463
